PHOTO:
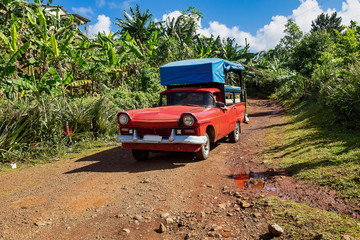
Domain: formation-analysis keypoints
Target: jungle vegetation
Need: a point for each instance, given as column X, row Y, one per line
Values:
column 59, row 87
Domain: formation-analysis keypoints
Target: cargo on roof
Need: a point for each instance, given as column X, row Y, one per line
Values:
column 207, row 70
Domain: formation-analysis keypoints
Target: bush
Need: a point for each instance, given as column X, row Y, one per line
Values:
column 30, row 128
column 342, row 93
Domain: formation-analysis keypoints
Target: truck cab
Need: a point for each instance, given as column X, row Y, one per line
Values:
column 191, row 113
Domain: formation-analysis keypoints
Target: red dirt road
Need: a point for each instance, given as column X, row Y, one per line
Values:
column 108, row 195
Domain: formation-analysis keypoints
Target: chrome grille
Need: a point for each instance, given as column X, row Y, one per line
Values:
column 164, row 132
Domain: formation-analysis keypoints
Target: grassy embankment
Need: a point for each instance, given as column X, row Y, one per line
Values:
column 300, row 221
column 308, row 148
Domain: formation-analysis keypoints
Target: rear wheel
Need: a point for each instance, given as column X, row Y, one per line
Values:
column 204, row 151
column 140, row 155
column 234, row 136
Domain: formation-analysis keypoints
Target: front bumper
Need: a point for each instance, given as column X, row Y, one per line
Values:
column 173, row 138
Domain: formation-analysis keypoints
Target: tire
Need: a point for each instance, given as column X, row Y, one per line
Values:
column 140, row 155
column 234, row 136
column 204, row 151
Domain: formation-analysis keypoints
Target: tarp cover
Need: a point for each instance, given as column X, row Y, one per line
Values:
column 194, row 71
column 232, row 89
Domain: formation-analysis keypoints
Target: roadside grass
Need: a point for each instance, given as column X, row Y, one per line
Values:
column 310, row 147
column 61, row 153
column 300, row 221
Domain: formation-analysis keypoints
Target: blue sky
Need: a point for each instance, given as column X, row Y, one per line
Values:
column 260, row 21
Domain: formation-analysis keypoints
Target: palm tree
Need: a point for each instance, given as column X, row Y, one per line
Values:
column 325, row 22
column 139, row 25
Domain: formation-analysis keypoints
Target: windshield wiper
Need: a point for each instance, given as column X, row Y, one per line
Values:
column 195, row 105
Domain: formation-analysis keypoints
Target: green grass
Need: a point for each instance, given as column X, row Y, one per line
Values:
column 311, row 147
column 300, row 221
column 76, row 150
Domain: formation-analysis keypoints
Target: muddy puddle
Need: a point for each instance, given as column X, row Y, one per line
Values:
column 264, row 181
column 279, row 184
column 251, row 180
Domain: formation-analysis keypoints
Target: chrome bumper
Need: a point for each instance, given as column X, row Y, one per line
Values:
column 173, row 138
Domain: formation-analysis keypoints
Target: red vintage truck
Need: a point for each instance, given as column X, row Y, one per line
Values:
column 196, row 109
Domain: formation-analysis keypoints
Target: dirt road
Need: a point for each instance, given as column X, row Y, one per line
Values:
column 108, row 195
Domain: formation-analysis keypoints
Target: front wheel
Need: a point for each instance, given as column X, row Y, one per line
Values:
column 140, row 155
column 204, row 151
column 234, row 136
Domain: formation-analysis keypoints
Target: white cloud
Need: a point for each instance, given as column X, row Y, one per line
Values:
column 305, row 13
column 103, row 25
column 100, row 3
column 174, row 14
column 350, row 11
column 83, row 11
column 268, row 36
column 122, row 5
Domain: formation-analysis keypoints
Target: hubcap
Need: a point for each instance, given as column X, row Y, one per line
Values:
column 206, row 147
column 237, row 131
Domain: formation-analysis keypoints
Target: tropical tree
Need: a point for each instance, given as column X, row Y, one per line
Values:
column 328, row 23
column 138, row 24
column 293, row 35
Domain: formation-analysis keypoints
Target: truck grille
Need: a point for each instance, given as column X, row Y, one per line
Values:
column 164, row 132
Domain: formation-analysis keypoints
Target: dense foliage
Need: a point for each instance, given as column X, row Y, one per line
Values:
column 58, row 86
column 321, row 66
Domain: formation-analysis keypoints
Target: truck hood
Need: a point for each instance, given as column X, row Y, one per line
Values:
column 167, row 113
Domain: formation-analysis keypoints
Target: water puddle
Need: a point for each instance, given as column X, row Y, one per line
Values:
column 251, row 180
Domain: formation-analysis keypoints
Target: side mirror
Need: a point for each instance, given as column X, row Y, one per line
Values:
column 220, row 104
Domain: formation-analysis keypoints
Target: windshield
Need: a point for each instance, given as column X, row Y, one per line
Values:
column 203, row 99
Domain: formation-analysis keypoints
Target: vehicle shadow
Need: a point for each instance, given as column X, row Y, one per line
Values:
column 121, row 160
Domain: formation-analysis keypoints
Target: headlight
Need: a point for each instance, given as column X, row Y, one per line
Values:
column 123, row 119
column 188, row 120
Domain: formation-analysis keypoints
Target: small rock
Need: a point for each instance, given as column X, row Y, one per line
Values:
column 162, row 228
column 169, row 220
column 164, row 215
column 257, row 215
column 226, row 230
column 237, row 194
column 214, row 234
column 244, row 204
column 145, row 181
column 222, row 206
column 346, row 237
column 275, row 229
column 230, row 214
column 318, row 237
column 267, row 203
column 215, row 228
column 40, row 223
column 126, row 230
column 137, row 217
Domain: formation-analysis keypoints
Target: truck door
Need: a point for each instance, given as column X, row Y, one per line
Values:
column 223, row 120
column 240, row 110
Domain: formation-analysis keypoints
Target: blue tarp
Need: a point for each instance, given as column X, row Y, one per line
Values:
column 232, row 89
column 193, row 71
